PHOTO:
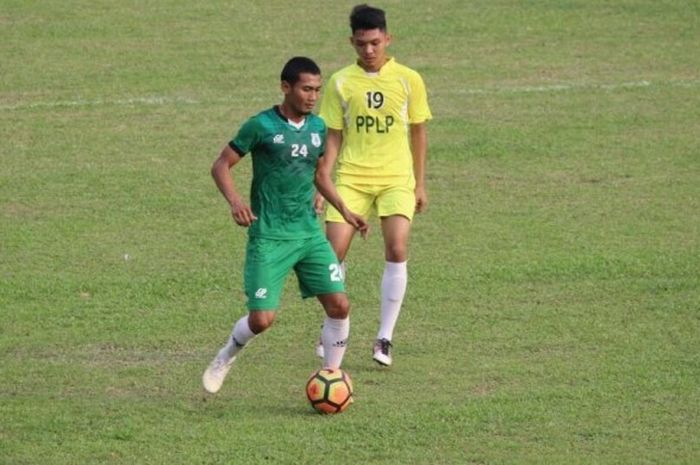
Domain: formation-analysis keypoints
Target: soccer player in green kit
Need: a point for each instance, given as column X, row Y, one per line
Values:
column 286, row 142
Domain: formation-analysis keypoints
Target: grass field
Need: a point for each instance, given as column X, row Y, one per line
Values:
column 553, row 311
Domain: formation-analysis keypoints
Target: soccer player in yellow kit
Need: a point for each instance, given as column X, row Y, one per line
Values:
column 376, row 112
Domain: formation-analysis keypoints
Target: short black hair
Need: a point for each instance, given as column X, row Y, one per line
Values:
column 367, row 17
column 297, row 65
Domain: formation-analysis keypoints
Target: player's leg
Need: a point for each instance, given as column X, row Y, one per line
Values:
column 339, row 233
column 336, row 328
column 395, row 230
column 320, row 275
column 266, row 266
column 245, row 329
column 340, row 236
column 359, row 199
column 395, row 206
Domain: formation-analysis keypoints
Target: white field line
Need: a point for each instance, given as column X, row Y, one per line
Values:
column 552, row 88
column 153, row 100
column 577, row 86
column 165, row 100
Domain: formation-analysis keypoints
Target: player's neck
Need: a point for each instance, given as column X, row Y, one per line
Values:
column 373, row 69
column 291, row 115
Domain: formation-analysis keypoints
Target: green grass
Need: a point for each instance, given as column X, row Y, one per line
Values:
column 552, row 315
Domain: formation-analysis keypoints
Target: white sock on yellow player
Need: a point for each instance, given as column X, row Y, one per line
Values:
column 394, row 283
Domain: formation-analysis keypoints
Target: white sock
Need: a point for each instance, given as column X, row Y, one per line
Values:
column 240, row 336
column 342, row 271
column 393, row 289
column 335, row 339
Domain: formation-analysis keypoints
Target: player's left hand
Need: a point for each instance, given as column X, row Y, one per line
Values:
column 421, row 199
column 358, row 222
column 319, row 202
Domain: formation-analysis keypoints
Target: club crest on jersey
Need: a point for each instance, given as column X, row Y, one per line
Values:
column 315, row 139
column 278, row 139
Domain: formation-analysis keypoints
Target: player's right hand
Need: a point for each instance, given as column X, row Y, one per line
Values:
column 242, row 214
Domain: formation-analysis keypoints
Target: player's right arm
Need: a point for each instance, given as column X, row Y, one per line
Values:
column 221, row 172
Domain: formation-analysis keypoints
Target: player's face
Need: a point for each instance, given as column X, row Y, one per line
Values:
column 303, row 95
column 370, row 46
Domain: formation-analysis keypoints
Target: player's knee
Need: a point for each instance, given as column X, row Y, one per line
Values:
column 260, row 321
column 396, row 253
column 339, row 309
column 343, row 309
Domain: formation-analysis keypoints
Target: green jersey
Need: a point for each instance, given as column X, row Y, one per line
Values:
column 284, row 163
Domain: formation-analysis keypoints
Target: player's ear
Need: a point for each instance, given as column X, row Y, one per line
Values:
column 286, row 88
column 388, row 39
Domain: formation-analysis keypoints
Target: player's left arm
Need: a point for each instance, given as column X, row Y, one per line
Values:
column 326, row 187
column 419, row 150
column 419, row 115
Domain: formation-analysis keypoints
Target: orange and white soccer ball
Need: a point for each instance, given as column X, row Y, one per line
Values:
column 329, row 390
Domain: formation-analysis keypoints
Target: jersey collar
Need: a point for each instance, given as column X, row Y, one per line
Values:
column 389, row 63
column 286, row 120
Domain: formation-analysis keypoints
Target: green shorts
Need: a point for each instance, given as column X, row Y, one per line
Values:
column 398, row 198
column 269, row 261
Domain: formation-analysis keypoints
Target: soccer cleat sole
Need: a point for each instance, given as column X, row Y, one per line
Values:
column 213, row 379
column 382, row 359
column 211, row 384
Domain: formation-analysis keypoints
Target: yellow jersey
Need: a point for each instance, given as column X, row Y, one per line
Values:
column 374, row 111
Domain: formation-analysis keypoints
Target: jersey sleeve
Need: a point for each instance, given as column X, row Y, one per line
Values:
column 418, row 109
column 247, row 138
column 324, row 136
column 331, row 105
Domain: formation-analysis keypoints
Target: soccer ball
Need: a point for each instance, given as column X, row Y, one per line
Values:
column 329, row 390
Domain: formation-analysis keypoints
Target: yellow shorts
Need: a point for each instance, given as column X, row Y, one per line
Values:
column 380, row 199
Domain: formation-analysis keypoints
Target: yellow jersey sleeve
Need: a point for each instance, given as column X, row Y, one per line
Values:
column 418, row 110
column 374, row 112
column 331, row 109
